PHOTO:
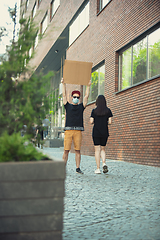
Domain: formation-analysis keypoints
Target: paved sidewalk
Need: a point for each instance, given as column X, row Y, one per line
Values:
column 123, row 204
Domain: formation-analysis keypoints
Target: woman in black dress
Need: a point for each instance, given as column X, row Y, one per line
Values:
column 100, row 117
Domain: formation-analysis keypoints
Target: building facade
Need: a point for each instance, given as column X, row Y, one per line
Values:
column 122, row 39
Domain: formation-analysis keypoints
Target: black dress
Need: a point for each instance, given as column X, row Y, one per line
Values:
column 100, row 130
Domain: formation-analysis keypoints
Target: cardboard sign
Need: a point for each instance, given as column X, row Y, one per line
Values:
column 75, row 72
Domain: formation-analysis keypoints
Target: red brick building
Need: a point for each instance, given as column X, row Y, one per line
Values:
column 122, row 39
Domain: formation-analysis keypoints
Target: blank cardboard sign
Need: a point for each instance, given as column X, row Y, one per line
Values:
column 75, row 72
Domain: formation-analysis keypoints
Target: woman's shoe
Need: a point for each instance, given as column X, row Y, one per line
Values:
column 97, row 170
column 105, row 168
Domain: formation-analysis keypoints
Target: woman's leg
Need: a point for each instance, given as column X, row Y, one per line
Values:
column 97, row 155
column 103, row 154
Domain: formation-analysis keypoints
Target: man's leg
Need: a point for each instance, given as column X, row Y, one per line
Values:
column 67, row 144
column 65, row 155
column 77, row 158
column 77, row 139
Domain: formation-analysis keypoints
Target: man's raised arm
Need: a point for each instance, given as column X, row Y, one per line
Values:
column 85, row 100
column 64, row 92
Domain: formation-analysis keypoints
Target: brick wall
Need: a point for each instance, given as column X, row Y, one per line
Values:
column 135, row 129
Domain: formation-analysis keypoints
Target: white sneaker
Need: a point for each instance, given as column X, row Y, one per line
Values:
column 97, row 171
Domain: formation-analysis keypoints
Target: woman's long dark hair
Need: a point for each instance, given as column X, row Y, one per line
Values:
column 101, row 108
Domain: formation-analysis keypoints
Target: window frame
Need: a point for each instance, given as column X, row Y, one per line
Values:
column 131, row 45
column 45, row 18
column 80, row 31
column 34, row 10
column 100, row 7
column 30, row 52
column 36, row 41
column 26, row 5
column 94, row 69
column 39, row 2
column 51, row 8
column 23, row 13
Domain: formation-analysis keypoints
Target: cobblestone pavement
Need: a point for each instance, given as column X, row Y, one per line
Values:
column 122, row 204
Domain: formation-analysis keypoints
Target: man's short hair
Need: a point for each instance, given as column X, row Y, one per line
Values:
column 76, row 91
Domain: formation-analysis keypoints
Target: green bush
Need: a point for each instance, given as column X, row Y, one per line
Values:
column 16, row 148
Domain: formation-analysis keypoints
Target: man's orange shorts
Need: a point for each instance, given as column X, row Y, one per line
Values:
column 75, row 136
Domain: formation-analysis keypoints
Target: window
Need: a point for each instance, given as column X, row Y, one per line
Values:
column 30, row 52
column 36, row 41
column 79, row 24
column 39, row 1
column 97, row 85
column 140, row 62
column 54, row 6
column 154, row 54
column 25, row 62
column 44, row 23
column 27, row 3
column 23, row 14
column 34, row 10
column 101, row 4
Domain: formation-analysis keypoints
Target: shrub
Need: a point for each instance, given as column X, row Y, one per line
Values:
column 16, row 148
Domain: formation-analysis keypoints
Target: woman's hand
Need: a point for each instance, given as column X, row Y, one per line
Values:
column 91, row 120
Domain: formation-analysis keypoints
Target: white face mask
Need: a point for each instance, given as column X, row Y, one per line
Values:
column 75, row 100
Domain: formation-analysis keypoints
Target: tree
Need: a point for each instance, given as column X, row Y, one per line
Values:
column 3, row 32
column 13, row 15
column 23, row 94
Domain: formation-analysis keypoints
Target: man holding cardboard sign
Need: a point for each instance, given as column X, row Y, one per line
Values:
column 74, row 123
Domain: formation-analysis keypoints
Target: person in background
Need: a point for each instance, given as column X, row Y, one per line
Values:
column 100, row 118
column 46, row 123
column 39, row 135
column 74, row 123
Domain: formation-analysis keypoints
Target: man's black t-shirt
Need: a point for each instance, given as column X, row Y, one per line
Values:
column 74, row 116
column 100, row 128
